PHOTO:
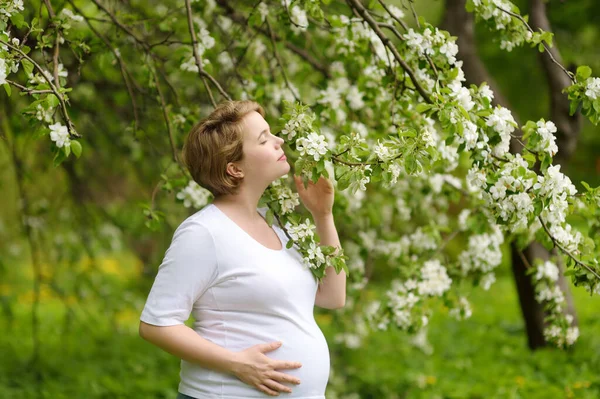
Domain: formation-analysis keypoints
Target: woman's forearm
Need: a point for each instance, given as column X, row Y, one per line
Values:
column 185, row 343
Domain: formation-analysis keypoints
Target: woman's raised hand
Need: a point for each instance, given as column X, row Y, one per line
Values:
column 258, row 370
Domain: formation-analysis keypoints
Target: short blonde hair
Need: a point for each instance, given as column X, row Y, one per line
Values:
column 215, row 141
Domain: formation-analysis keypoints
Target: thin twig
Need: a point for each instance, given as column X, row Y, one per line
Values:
column 28, row 90
column 63, row 105
column 203, row 75
column 564, row 250
column 520, row 18
column 274, row 44
column 356, row 4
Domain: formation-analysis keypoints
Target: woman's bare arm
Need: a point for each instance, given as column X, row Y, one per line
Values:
column 186, row 344
column 251, row 366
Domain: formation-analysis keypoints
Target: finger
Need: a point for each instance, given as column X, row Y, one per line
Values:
column 276, row 375
column 277, row 386
column 287, row 365
column 271, row 346
column 267, row 390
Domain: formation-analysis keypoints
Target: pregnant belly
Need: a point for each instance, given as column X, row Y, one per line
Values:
column 307, row 346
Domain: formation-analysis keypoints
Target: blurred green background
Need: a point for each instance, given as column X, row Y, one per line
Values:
column 88, row 311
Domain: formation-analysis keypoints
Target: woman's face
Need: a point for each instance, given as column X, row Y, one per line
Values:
column 262, row 151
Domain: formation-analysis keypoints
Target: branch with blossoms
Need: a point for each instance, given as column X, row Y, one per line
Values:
column 59, row 93
column 197, row 50
column 504, row 17
column 477, row 128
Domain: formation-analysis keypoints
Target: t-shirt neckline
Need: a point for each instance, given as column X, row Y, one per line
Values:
column 248, row 235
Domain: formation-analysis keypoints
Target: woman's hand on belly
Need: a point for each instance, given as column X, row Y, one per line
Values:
column 254, row 368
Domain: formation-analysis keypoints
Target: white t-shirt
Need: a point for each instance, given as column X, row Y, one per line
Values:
column 240, row 294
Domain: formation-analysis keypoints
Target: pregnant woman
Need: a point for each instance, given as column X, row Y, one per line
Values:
column 252, row 299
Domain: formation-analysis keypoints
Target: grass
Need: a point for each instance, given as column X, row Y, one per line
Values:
column 98, row 354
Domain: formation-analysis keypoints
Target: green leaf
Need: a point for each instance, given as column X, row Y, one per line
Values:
column 7, row 88
column 583, row 72
column 52, row 100
column 59, row 158
column 270, row 216
column 464, row 112
column 289, row 244
column 27, row 66
column 573, row 107
column 76, row 147
column 422, row 107
column 18, row 20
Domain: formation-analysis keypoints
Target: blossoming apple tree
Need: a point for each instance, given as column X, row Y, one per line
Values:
column 372, row 97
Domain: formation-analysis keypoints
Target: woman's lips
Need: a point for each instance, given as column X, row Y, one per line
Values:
column 283, row 158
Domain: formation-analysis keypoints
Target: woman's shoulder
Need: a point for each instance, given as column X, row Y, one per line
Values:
column 205, row 217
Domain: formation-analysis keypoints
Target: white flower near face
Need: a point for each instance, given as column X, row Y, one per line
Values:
column 314, row 145
column 194, row 195
column 592, row 88
column 60, row 135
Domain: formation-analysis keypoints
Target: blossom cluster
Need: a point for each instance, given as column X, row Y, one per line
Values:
column 194, row 195
column 10, row 8
column 512, row 32
column 482, row 255
column 288, row 200
column 205, row 41
column 430, row 40
column 549, row 294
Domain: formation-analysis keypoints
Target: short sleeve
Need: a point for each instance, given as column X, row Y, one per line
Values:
column 188, row 269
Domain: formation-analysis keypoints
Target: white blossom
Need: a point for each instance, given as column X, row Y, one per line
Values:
column 547, row 270
column 194, row 195
column 434, row 279
column 263, row 9
column 71, row 15
column 354, row 98
column 314, row 145
column 60, row 135
column 3, row 72
column 592, row 88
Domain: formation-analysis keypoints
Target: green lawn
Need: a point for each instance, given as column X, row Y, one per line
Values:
column 483, row 357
